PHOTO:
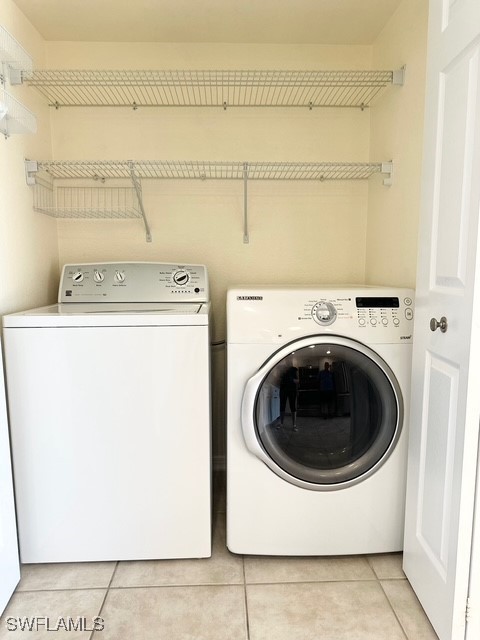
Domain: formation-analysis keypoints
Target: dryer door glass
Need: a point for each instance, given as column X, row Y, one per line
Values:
column 328, row 413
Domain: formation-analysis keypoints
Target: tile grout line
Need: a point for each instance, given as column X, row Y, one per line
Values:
column 393, row 609
column 105, row 596
column 210, row 584
column 247, row 621
column 345, row 581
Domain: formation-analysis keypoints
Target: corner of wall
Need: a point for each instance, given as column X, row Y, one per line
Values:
column 397, row 134
column 29, row 248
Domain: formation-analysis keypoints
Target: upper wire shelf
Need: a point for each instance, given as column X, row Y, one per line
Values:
column 204, row 170
column 190, row 88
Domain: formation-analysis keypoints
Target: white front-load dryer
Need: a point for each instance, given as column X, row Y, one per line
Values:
column 318, row 390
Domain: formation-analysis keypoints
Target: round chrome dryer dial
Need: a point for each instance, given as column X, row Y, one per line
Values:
column 324, row 313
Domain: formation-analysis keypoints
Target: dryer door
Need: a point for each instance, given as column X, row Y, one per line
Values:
column 323, row 412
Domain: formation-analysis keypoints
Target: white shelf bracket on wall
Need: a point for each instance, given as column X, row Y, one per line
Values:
column 387, row 169
column 137, row 185
column 31, row 169
column 398, row 77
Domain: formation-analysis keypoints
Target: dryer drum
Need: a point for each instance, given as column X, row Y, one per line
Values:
column 324, row 412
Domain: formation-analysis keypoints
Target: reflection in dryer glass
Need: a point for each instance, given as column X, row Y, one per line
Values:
column 326, row 408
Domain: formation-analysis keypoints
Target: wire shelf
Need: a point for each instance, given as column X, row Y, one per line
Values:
column 85, row 202
column 189, row 88
column 119, row 202
column 14, row 116
column 12, row 52
column 207, row 170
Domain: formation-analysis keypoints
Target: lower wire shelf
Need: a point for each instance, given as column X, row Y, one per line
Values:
column 101, row 201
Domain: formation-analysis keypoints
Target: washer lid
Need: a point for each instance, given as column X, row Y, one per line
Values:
column 111, row 314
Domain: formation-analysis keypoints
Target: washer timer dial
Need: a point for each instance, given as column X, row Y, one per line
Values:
column 181, row 277
column 324, row 313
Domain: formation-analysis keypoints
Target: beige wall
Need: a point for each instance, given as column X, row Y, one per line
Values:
column 397, row 132
column 299, row 232
column 28, row 241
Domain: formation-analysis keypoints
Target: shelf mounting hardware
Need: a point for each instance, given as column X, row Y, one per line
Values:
column 246, row 238
column 31, row 169
column 137, row 185
column 387, row 169
column 398, row 77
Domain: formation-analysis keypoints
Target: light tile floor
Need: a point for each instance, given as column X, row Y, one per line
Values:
column 225, row 597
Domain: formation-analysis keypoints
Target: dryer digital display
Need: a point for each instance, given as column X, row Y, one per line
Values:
column 377, row 303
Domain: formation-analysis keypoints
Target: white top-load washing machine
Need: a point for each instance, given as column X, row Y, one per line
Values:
column 109, row 400
column 318, row 402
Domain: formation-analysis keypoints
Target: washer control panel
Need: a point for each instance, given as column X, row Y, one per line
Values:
column 133, row 282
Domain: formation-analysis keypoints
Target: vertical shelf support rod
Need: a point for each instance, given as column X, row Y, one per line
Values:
column 246, row 238
column 138, row 190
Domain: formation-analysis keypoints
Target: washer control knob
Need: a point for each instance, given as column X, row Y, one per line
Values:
column 77, row 276
column 324, row 313
column 119, row 276
column 181, row 277
column 98, row 276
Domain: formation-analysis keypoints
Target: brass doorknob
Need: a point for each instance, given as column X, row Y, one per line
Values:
column 442, row 324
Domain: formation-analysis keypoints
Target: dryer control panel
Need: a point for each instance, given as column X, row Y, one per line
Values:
column 133, row 282
column 364, row 311
column 281, row 314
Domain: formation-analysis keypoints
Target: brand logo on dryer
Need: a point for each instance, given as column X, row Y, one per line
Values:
column 249, row 297
column 406, row 337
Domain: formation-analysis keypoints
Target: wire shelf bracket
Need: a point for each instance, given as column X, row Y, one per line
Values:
column 137, row 185
column 211, row 88
column 118, row 202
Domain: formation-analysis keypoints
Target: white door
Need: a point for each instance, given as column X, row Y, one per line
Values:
column 9, row 565
column 446, row 364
